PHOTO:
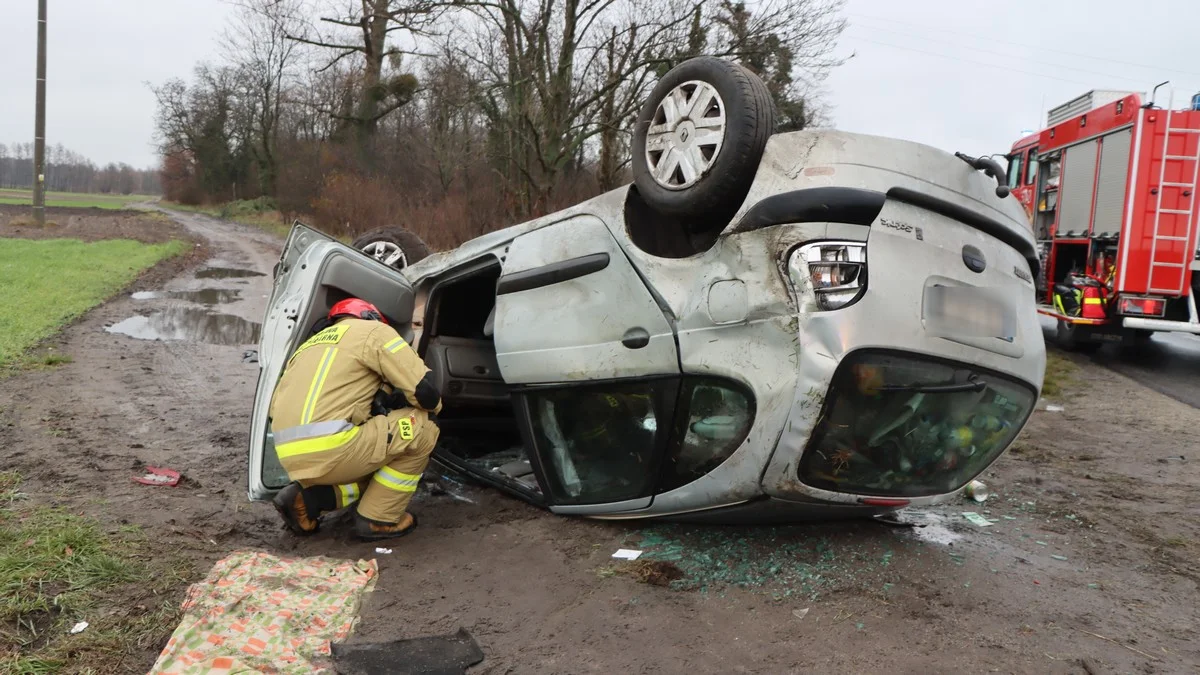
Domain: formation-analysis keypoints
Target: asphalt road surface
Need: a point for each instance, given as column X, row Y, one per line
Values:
column 1170, row 364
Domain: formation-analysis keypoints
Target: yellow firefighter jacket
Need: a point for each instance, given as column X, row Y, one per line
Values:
column 333, row 376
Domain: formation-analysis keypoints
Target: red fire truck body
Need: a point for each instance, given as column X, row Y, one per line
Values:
column 1111, row 196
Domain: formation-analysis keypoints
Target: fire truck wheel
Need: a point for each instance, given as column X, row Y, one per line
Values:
column 1070, row 341
column 393, row 246
column 698, row 141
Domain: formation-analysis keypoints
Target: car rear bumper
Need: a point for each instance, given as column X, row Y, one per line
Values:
column 1161, row 325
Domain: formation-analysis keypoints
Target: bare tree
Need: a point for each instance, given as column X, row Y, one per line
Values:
column 551, row 67
column 448, row 123
column 362, row 29
column 208, row 126
column 788, row 43
column 257, row 44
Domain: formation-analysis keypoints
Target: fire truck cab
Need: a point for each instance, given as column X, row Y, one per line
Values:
column 1110, row 190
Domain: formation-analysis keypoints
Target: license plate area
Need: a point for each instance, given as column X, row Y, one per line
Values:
column 969, row 312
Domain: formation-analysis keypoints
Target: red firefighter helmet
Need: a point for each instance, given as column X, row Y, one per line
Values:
column 359, row 309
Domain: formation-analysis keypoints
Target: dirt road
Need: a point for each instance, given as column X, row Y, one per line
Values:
column 1088, row 567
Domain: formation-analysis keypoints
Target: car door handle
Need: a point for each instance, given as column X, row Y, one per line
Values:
column 636, row 338
column 554, row 273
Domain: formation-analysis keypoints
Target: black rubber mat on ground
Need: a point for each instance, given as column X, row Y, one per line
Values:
column 438, row 655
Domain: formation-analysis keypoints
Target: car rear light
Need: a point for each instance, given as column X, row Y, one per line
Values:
column 1143, row 306
column 880, row 501
column 836, row 271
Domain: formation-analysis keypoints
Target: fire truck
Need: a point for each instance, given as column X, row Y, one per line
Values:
column 1110, row 189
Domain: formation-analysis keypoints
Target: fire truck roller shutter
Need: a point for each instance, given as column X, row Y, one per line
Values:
column 1077, row 190
column 1112, row 187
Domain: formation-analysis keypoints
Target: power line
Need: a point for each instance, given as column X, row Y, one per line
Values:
column 1158, row 69
column 981, row 50
column 959, row 58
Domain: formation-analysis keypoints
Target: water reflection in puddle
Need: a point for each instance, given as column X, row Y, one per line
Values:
column 226, row 273
column 191, row 324
column 204, row 296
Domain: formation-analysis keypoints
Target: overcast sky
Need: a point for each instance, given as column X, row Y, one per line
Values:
column 958, row 74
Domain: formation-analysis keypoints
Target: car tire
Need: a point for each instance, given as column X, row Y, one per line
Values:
column 394, row 246
column 710, row 183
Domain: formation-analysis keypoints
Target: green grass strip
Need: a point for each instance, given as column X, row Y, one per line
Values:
column 49, row 282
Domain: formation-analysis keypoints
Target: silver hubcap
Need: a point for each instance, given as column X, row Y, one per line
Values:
column 685, row 135
column 387, row 253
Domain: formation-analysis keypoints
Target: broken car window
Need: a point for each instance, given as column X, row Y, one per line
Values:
column 598, row 442
column 717, row 419
column 896, row 426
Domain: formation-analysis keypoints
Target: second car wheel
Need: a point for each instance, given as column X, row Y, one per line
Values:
column 699, row 139
column 393, row 246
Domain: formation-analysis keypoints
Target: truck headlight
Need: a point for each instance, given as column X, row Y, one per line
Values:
column 836, row 271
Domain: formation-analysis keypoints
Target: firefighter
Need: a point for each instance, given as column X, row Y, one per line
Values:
column 328, row 438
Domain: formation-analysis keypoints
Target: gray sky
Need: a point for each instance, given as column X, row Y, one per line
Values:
column 969, row 75
column 100, row 55
column 958, row 74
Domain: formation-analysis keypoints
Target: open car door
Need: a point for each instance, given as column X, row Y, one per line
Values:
column 314, row 272
column 593, row 363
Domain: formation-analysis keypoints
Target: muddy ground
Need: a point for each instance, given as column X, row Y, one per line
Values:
column 1089, row 565
column 90, row 224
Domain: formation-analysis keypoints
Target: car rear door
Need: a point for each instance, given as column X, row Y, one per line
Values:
column 312, row 269
column 582, row 339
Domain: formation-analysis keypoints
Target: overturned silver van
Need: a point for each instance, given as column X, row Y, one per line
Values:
column 760, row 327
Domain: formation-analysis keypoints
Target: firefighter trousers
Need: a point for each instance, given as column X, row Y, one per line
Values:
column 379, row 461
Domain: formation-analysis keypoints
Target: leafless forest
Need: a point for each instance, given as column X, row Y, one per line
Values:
column 454, row 118
column 69, row 171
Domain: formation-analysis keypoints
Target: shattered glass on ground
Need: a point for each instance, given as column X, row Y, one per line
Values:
column 791, row 561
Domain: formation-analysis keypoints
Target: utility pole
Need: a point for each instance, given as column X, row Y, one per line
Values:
column 39, row 124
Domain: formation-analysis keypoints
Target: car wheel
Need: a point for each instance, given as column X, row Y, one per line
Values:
column 698, row 141
column 393, row 246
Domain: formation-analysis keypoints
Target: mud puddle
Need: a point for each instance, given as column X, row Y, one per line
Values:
column 226, row 273
column 933, row 528
column 192, row 324
column 204, row 296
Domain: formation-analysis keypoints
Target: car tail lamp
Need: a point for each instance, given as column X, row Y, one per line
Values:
column 1132, row 306
column 836, row 271
column 881, row 501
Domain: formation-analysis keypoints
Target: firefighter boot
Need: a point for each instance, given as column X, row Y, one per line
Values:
column 374, row 530
column 301, row 507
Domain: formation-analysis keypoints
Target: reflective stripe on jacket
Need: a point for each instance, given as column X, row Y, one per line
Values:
column 326, row 388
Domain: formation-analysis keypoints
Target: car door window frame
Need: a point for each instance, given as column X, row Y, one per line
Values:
column 666, row 406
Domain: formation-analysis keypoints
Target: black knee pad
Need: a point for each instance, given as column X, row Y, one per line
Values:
column 319, row 499
column 427, row 393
